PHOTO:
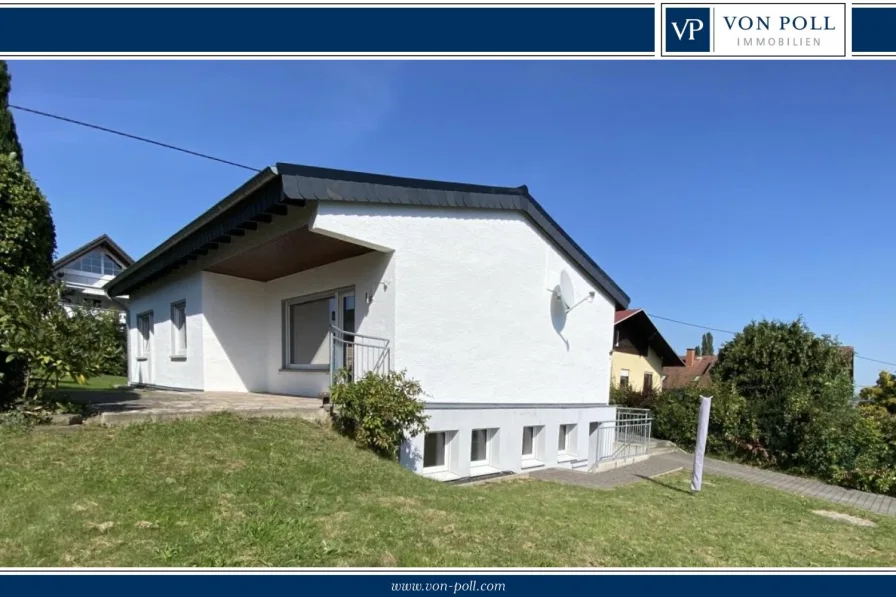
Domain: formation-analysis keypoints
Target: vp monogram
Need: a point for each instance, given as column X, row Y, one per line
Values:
column 690, row 27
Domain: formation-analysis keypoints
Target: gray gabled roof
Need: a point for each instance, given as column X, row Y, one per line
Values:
column 265, row 193
column 102, row 240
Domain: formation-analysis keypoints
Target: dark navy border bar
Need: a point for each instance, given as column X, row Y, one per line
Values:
column 444, row 29
column 444, row 585
column 874, row 29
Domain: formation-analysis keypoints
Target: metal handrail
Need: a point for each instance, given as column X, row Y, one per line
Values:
column 360, row 353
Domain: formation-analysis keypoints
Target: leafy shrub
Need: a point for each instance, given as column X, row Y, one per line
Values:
column 378, row 411
column 27, row 233
column 626, row 396
column 788, row 375
column 849, row 449
column 676, row 412
column 114, row 334
column 46, row 343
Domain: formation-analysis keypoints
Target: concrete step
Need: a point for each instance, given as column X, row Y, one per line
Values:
column 131, row 417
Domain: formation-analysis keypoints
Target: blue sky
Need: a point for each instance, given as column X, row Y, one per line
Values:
column 712, row 192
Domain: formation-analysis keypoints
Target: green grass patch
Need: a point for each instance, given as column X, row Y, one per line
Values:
column 101, row 382
column 225, row 491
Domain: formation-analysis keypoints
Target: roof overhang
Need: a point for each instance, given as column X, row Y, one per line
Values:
column 268, row 193
column 656, row 340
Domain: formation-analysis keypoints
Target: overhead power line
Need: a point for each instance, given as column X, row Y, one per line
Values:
column 134, row 137
column 252, row 169
column 703, row 327
column 858, row 356
column 693, row 325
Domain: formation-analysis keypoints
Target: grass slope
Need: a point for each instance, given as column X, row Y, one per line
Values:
column 231, row 492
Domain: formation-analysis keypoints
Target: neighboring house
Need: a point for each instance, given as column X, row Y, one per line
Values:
column 696, row 371
column 640, row 352
column 302, row 271
column 87, row 269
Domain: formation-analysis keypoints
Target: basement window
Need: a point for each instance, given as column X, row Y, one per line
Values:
column 533, row 447
column 566, row 443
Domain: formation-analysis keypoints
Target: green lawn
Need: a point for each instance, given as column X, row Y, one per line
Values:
column 101, row 382
column 231, row 492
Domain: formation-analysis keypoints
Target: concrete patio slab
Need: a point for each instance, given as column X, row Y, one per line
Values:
column 130, row 405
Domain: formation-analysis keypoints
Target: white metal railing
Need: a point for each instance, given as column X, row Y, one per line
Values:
column 358, row 354
column 626, row 437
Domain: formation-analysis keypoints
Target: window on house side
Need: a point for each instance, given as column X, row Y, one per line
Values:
column 648, row 382
column 564, row 440
column 529, row 442
column 623, row 378
column 144, row 328
column 179, row 329
column 434, row 450
column 479, row 447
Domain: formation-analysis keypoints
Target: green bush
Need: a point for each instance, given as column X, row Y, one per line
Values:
column 46, row 343
column 378, row 411
column 848, row 449
column 114, row 334
column 788, row 375
column 675, row 416
column 27, row 233
column 626, row 396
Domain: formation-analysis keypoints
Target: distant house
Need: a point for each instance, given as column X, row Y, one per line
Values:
column 87, row 269
column 640, row 353
column 696, row 371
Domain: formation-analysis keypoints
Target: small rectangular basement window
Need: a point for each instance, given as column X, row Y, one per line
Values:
column 480, row 450
column 435, row 452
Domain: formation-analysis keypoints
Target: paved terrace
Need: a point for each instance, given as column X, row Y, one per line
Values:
column 666, row 463
column 128, row 405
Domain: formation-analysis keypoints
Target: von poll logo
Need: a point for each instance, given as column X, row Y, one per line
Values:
column 688, row 29
column 770, row 29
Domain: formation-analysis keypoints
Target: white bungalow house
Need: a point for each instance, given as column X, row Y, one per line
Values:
column 303, row 270
column 87, row 269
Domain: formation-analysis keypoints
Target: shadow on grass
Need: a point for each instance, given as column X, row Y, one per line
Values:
column 97, row 393
column 666, row 485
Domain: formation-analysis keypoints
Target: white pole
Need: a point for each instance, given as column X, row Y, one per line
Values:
column 700, row 450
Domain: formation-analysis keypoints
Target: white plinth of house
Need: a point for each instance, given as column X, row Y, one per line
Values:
column 304, row 271
column 87, row 270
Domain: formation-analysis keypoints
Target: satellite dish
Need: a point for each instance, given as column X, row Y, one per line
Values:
column 567, row 293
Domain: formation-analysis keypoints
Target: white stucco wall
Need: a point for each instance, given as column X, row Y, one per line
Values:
column 234, row 334
column 505, row 447
column 474, row 318
column 161, row 368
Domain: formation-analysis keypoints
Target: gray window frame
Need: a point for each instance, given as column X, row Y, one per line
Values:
column 285, row 345
column 178, row 355
column 140, row 353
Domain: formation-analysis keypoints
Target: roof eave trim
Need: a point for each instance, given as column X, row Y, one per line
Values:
column 123, row 283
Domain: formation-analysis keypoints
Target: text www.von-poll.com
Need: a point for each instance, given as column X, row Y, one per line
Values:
column 470, row 586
